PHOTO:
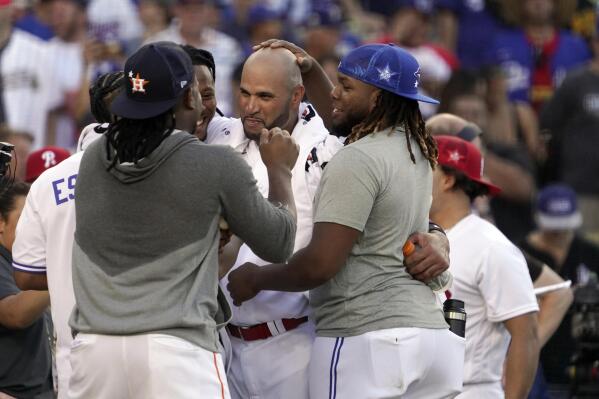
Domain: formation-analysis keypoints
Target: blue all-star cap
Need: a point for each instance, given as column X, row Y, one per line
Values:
column 387, row 67
column 156, row 76
column 557, row 208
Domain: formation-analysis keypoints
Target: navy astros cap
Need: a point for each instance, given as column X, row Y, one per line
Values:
column 156, row 76
column 387, row 67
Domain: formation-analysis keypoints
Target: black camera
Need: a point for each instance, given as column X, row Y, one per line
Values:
column 6, row 151
column 584, row 365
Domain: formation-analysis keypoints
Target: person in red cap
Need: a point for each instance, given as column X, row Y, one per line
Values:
column 490, row 276
column 43, row 159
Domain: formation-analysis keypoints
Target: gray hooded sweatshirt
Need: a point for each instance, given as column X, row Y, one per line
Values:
column 145, row 257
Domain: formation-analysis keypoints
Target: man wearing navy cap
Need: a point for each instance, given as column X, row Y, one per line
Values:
column 145, row 256
column 380, row 333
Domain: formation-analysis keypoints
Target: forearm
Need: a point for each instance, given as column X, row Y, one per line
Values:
column 521, row 365
column 516, row 184
column 228, row 256
column 279, row 188
column 299, row 274
column 22, row 309
column 553, row 307
column 318, row 89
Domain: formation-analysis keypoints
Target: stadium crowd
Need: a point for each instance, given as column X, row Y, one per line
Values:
column 154, row 109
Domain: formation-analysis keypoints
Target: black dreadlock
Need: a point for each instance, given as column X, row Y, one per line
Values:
column 102, row 87
column 394, row 111
column 129, row 140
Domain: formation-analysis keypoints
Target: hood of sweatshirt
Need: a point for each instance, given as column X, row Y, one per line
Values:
column 129, row 172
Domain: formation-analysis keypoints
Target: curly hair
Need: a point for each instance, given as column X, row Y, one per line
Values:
column 394, row 111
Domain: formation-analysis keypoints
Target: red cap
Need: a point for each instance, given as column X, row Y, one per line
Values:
column 5, row 3
column 464, row 157
column 42, row 159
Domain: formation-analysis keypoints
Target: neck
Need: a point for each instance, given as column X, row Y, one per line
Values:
column 290, row 125
column 193, row 38
column 454, row 207
column 540, row 33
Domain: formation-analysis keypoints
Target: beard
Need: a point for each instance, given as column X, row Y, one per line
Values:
column 344, row 128
column 280, row 121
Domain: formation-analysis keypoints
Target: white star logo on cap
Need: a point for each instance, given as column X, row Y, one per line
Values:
column 385, row 73
column 455, row 157
column 417, row 76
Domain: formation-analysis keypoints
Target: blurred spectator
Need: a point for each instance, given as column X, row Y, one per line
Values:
column 25, row 369
column 466, row 27
column 189, row 27
column 324, row 32
column 235, row 82
column 538, row 53
column 572, row 119
column 330, row 63
column 23, row 142
column 27, row 89
column 116, row 23
column 234, row 18
column 155, row 16
column 556, row 244
column 36, row 20
column 410, row 27
column 66, row 66
column 263, row 24
column 43, row 159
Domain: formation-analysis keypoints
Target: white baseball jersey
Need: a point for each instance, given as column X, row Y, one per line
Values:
column 316, row 148
column 44, row 243
column 491, row 277
column 27, row 80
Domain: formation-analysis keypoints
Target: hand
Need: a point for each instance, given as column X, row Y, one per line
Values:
column 304, row 60
column 242, row 283
column 277, row 148
column 430, row 259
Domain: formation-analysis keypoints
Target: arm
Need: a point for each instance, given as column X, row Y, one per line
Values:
column 528, row 122
column 20, row 310
column 432, row 257
column 31, row 281
column 317, row 83
column 267, row 229
column 516, row 183
column 522, row 356
column 310, row 267
column 228, row 256
column 552, row 306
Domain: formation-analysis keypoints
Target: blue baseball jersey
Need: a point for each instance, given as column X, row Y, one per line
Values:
column 516, row 56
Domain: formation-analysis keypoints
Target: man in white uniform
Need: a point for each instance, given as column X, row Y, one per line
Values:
column 490, row 276
column 271, row 335
column 44, row 237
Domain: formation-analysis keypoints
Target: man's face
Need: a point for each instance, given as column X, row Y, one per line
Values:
column 207, row 91
column 192, row 17
column 538, row 10
column 352, row 102
column 265, row 101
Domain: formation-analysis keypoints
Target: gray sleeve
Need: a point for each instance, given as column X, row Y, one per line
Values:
column 268, row 230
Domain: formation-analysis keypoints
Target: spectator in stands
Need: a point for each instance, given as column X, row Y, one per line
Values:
column 556, row 243
column 572, row 119
column 538, row 53
column 155, row 16
column 190, row 27
column 36, row 20
column 466, row 27
column 25, row 369
column 263, row 23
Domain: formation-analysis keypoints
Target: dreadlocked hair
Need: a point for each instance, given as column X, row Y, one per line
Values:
column 103, row 86
column 394, row 111
column 129, row 140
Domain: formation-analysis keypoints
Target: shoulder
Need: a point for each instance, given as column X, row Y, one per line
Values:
column 223, row 130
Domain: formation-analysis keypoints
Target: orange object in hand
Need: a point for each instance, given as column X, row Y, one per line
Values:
column 408, row 248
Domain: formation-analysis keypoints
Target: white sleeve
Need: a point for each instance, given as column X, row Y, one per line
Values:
column 505, row 284
column 29, row 248
column 218, row 130
column 318, row 159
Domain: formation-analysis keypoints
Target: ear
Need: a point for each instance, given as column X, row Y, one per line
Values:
column 297, row 95
column 373, row 98
column 448, row 181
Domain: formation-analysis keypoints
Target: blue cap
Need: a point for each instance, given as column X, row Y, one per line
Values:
column 156, row 76
column 423, row 6
column 325, row 15
column 260, row 13
column 556, row 208
column 387, row 67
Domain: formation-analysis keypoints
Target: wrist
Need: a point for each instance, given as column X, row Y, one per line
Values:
column 432, row 227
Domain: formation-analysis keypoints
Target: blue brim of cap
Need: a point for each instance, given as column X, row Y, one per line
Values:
column 420, row 97
column 125, row 107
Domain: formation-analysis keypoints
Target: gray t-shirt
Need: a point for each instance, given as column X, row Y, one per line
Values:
column 373, row 186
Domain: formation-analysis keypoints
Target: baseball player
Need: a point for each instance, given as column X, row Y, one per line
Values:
column 373, row 320
column 44, row 240
column 490, row 276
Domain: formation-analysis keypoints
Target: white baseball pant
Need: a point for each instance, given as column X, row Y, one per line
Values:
column 272, row 368
column 393, row 363
column 148, row 366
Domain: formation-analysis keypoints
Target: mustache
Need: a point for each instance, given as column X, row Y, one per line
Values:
column 252, row 117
